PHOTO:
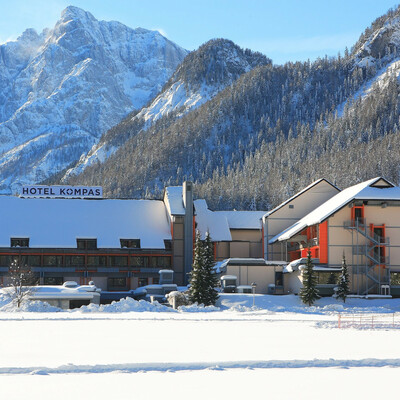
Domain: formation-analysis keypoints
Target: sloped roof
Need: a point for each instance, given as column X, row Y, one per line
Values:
column 243, row 219
column 219, row 223
column 214, row 223
column 174, row 200
column 57, row 223
column 361, row 191
column 299, row 194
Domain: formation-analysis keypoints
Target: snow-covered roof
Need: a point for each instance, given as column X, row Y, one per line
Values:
column 59, row 222
column 64, row 292
column 297, row 195
column 362, row 191
column 174, row 200
column 220, row 266
column 219, row 223
column 209, row 221
column 296, row 264
column 224, row 277
column 243, row 219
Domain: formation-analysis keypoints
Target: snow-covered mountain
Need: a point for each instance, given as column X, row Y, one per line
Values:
column 377, row 53
column 63, row 88
column 203, row 74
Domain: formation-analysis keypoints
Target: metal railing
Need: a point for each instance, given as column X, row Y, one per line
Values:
column 368, row 321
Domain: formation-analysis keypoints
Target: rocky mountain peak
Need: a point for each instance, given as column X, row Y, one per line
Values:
column 65, row 87
column 380, row 42
column 75, row 13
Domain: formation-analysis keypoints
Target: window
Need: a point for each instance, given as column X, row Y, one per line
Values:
column 97, row 261
column 52, row 261
column 327, row 278
column 32, row 261
column 5, row 261
column 357, row 214
column 143, row 281
column 53, row 280
column 117, row 284
column 86, row 244
column 72, row 261
column 395, row 278
column 19, row 242
column 160, row 262
column 168, row 244
column 130, row 243
column 140, row 261
column 278, row 278
column 117, row 261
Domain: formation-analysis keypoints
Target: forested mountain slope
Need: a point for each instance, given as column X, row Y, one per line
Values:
column 274, row 130
column 202, row 74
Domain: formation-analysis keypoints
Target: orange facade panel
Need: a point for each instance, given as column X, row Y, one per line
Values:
column 323, row 243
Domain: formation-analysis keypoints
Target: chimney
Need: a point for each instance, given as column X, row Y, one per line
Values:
column 187, row 194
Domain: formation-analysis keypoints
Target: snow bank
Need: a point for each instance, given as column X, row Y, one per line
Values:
column 198, row 308
column 125, row 305
column 28, row 306
column 291, row 303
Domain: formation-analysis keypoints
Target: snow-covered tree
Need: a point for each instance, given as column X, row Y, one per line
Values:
column 22, row 280
column 343, row 283
column 202, row 278
column 309, row 292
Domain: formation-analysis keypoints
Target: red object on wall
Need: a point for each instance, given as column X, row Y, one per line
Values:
column 323, row 243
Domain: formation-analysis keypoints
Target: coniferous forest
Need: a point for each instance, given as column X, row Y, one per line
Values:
column 271, row 131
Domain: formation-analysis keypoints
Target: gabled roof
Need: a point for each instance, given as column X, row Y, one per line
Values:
column 373, row 189
column 299, row 194
column 57, row 223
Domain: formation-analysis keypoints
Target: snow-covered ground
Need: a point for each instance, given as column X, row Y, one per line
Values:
column 279, row 349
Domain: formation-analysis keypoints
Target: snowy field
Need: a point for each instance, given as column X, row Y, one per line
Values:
column 129, row 350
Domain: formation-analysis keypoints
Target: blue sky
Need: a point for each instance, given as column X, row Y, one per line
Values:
column 284, row 30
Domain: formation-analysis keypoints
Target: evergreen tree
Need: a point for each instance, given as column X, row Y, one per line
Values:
column 309, row 292
column 343, row 282
column 202, row 278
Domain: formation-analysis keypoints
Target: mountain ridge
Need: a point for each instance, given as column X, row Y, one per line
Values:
column 285, row 117
column 76, row 81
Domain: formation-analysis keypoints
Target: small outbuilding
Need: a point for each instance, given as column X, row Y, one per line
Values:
column 66, row 296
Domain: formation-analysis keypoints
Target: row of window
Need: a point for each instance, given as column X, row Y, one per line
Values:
column 94, row 261
column 91, row 244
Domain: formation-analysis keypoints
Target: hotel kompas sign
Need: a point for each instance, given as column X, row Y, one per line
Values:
column 82, row 192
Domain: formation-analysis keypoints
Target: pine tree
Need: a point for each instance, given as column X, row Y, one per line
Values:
column 343, row 282
column 202, row 278
column 211, row 278
column 309, row 292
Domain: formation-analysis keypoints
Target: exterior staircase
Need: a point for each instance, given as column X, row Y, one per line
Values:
column 372, row 253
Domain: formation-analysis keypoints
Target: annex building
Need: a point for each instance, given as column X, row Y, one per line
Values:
column 361, row 223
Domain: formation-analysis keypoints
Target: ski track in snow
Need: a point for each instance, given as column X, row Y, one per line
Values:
column 219, row 366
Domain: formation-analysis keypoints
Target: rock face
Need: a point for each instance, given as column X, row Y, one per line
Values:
column 203, row 73
column 62, row 89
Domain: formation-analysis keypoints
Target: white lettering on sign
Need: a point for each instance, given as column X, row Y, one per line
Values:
column 82, row 192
